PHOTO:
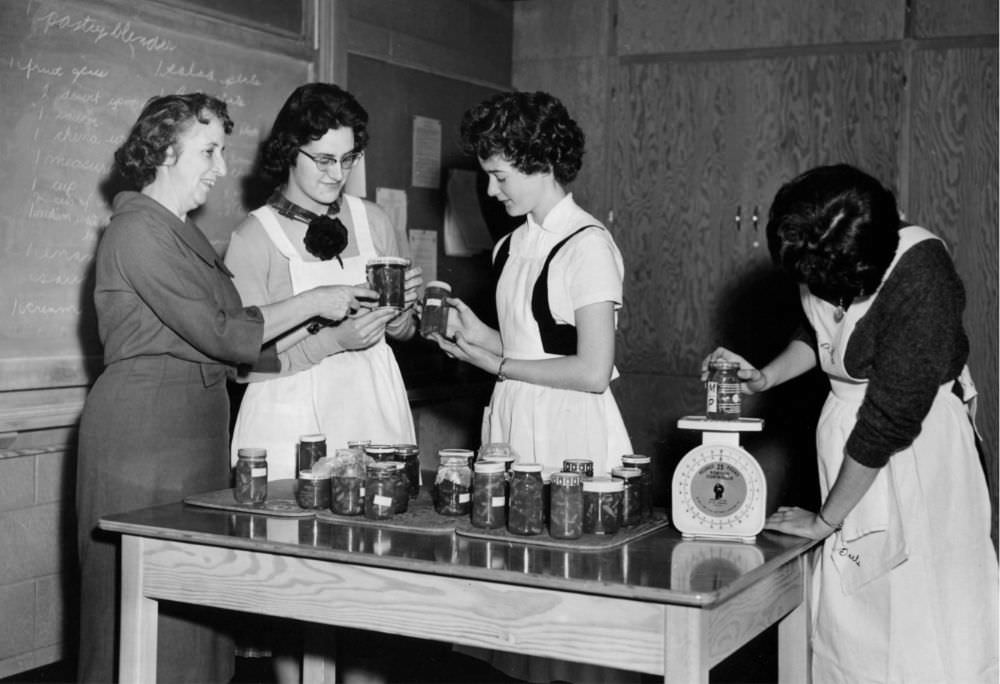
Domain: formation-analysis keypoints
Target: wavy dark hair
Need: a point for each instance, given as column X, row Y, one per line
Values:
column 836, row 229
column 158, row 127
column 308, row 114
column 532, row 131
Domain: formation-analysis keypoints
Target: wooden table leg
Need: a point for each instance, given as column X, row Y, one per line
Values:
column 686, row 653
column 319, row 648
column 794, row 650
column 137, row 646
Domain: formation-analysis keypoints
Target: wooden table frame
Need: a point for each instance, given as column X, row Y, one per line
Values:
column 681, row 642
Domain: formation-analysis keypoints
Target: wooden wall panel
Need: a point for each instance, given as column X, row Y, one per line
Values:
column 470, row 38
column 562, row 28
column 670, row 188
column 939, row 18
column 953, row 192
column 653, row 26
column 582, row 85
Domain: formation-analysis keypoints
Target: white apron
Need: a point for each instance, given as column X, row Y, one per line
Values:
column 906, row 592
column 349, row 395
column 545, row 424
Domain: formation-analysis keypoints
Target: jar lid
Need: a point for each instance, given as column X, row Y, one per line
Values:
column 463, row 453
column 626, row 473
column 489, row 467
column 525, row 467
column 406, row 449
column 722, row 364
column 564, row 479
column 251, row 453
column 314, row 474
column 380, row 449
column 577, row 461
column 313, row 438
column 438, row 283
column 358, row 443
column 388, row 261
column 382, row 467
column 603, row 484
column 629, row 459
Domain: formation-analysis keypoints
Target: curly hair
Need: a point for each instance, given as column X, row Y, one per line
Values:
column 158, row 127
column 308, row 114
column 532, row 131
column 836, row 229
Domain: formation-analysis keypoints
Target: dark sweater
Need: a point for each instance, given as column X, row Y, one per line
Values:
column 909, row 343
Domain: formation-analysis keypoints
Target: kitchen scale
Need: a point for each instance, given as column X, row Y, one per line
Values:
column 718, row 489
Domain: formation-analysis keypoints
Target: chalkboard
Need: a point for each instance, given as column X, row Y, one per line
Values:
column 73, row 78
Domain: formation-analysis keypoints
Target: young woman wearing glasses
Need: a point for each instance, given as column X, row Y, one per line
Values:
column 341, row 380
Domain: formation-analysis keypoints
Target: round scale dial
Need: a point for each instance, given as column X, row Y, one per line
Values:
column 719, row 491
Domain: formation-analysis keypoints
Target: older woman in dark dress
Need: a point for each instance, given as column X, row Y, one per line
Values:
column 155, row 424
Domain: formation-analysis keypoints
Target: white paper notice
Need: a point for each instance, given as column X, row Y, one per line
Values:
column 465, row 231
column 393, row 201
column 426, row 170
column 424, row 252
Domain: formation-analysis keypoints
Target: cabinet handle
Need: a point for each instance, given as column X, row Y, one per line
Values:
column 739, row 217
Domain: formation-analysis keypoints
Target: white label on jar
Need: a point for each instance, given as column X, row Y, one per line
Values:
column 498, row 501
column 433, row 301
column 379, row 500
column 258, row 472
column 464, row 498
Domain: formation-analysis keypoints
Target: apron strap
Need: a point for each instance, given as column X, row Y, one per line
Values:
column 269, row 220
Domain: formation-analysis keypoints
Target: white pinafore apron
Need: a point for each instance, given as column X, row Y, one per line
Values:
column 906, row 592
column 347, row 396
column 545, row 424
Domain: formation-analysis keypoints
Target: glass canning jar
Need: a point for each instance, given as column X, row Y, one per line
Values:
column 453, row 482
column 602, row 505
column 526, row 503
column 489, row 494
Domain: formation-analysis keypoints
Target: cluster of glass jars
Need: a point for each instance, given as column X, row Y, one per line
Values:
column 497, row 491
column 374, row 480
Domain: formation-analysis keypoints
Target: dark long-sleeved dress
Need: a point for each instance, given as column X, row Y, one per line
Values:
column 155, row 424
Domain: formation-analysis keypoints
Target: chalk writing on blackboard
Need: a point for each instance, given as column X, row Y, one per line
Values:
column 73, row 81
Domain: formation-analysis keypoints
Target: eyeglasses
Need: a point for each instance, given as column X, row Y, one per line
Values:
column 323, row 162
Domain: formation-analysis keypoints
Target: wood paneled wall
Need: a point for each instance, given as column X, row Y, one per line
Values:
column 708, row 106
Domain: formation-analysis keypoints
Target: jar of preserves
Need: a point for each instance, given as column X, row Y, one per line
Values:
column 434, row 312
column 602, row 505
column 526, row 503
column 401, row 493
column 566, row 506
column 453, row 482
column 584, row 466
column 631, row 494
column 251, row 476
column 312, row 489
column 311, row 448
column 387, row 276
column 409, row 456
column 722, row 390
column 380, row 490
column 347, row 482
column 645, row 481
column 489, row 494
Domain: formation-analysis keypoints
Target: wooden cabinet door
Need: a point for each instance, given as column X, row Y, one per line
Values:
column 804, row 111
column 675, row 189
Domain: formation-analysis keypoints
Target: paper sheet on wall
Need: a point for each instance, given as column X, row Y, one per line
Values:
column 424, row 252
column 426, row 171
column 393, row 201
column 357, row 181
column 465, row 231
